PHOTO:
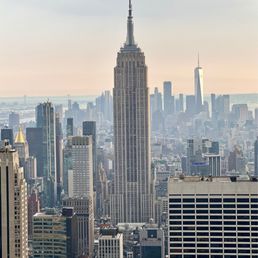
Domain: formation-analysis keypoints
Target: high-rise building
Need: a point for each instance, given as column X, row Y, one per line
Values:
column 213, row 106
column 14, row 121
column 256, row 116
column 256, row 158
column 59, row 156
column 31, row 168
column 151, row 241
column 198, row 78
column 13, row 205
column 67, row 163
column 7, row 134
column 102, row 193
column 33, row 208
column 110, row 244
column 83, row 207
column 80, row 179
column 45, row 118
column 214, row 164
column 132, row 200
column 89, row 129
column 212, row 217
column 157, row 101
column 157, row 120
column 55, row 234
column 59, row 111
column 190, row 105
column 221, row 106
column 167, row 98
column 69, row 127
column 34, row 137
column 203, row 157
column 104, row 105
column 181, row 102
column 240, row 112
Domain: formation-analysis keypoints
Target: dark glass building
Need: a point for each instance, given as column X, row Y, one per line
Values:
column 45, row 119
column 7, row 134
column 69, row 127
column 34, row 138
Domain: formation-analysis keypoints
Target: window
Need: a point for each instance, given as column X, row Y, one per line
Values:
column 201, row 200
column 188, row 200
column 246, row 200
column 215, row 200
column 229, row 200
column 174, row 200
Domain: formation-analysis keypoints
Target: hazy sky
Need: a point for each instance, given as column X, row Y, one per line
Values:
column 60, row 47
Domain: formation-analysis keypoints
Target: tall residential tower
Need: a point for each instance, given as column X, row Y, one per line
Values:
column 132, row 200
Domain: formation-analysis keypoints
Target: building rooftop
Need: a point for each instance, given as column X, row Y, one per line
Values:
column 213, row 185
column 221, row 179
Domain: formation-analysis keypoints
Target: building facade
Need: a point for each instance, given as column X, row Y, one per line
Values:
column 152, row 242
column 167, row 98
column 110, row 244
column 212, row 217
column 83, row 207
column 256, row 158
column 13, row 205
column 80, row 177
column 54, row 234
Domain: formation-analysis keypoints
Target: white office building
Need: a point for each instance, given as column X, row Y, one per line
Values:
column 80, row 177
column 110, row 244
column 213, row 217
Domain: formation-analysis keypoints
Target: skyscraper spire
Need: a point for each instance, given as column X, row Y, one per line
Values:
column 130, row 29
column 198, row 59
column 130, row 8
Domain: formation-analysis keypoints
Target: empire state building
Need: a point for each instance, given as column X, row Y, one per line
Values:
column 132, row 198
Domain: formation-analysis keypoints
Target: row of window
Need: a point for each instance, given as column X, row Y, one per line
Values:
column 234, row 251
column 221, row 240
column 205, row 217
column 212, row 200
column 232, row 211
column 213, row 245
column 253, row 229
column 207, row 256
column 203, row 222
column 226, row 234
column 218, row 206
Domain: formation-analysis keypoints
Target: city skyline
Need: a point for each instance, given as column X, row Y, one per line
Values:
column 161, row 161
column 66, row 48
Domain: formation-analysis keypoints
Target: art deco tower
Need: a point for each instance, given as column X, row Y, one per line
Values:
column 132, row 200
column 198, row 80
